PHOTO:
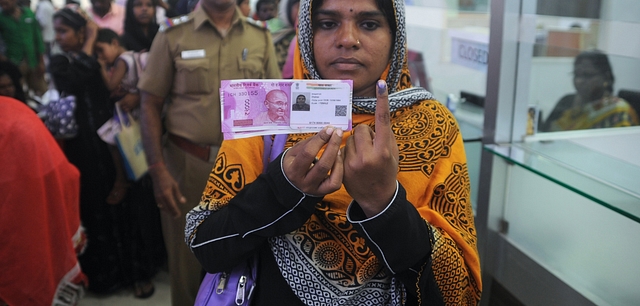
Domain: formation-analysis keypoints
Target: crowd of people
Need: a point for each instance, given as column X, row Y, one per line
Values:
column 330, row 210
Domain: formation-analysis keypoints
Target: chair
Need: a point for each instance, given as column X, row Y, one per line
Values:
column 631, row 96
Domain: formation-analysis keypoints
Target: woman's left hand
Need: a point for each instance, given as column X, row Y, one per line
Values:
column 371, row 159
column 316, row 177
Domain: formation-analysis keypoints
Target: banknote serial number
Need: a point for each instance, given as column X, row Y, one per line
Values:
column 243, row 93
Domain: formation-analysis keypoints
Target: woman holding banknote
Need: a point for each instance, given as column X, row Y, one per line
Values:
column 379, row 215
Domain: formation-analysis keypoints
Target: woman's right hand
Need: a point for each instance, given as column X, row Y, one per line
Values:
column 321, row 177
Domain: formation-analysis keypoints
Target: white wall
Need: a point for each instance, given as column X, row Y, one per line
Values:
column 428, row 32
column 622, row 10
column 620, row 32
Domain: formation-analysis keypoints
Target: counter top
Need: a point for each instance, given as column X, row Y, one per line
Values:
column 605, row 169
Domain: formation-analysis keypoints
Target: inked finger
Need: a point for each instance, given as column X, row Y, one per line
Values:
column 383, row 116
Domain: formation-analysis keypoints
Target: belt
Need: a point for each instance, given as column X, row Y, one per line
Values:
column 198, row 150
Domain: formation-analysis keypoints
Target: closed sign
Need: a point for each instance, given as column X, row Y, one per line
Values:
column 469, row 53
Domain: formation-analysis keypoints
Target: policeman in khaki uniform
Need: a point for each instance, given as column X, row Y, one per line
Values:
column 188, row 59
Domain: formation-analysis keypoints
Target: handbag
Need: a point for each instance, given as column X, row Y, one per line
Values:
column 229, row 288
column 129, row 141
column 58, row 114
column 109, row 130
column 236, row 287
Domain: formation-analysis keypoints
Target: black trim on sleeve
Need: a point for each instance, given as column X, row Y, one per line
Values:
column 270, row 206
column 398, row 235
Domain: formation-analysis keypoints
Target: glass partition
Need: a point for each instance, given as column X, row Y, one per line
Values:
column 582, row 166
column 579, row 72
column 584, row 60
column 562, row 150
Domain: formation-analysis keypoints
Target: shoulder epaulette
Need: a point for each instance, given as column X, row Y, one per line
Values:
column 172, row 22
column 257, row 23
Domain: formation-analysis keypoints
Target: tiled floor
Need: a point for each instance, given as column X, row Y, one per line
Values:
column 161, row 297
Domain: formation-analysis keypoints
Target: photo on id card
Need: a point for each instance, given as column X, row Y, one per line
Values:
column 316, row 104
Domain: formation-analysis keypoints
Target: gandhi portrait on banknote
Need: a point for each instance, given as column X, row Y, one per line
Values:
column 277, row 104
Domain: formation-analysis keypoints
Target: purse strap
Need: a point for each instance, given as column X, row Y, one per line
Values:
column 212, row 282
column 273, row 146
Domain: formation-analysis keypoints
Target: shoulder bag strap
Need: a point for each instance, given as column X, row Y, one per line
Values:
column 273, row 146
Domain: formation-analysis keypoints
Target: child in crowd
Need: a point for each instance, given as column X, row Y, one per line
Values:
column 10, row 81
column 265, row 9
column 120, row 73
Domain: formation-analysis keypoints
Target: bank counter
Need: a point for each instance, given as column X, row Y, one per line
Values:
column 557, row 213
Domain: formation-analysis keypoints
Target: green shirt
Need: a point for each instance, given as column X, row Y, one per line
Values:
column 22, row 37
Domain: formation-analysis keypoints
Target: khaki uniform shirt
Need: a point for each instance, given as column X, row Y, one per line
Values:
column 188, row 60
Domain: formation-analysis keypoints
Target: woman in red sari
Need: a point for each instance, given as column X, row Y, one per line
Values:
column 39, row 214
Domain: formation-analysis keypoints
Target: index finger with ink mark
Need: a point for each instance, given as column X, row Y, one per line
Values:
column 383, row 116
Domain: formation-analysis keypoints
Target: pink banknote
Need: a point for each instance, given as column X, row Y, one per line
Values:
column 263, row 107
